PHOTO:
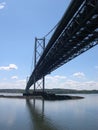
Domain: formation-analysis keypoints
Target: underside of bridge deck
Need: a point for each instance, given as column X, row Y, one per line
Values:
column 76, row 33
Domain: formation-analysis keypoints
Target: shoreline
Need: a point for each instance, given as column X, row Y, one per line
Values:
column 20, row 97
column 63, row 97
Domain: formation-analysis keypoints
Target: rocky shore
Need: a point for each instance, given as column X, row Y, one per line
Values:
column 45, row 96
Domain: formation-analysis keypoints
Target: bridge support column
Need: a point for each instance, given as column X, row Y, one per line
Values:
column 43, row 84
column 38, row 50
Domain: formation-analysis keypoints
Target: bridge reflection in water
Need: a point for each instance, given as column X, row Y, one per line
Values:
column 39, row 120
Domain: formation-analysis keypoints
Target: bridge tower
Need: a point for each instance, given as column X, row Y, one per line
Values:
column 38, row 50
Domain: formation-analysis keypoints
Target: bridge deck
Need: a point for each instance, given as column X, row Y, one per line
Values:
column 76, row 33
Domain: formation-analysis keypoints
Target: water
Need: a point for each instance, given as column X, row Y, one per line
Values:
column 36, row 114
column 11, row 94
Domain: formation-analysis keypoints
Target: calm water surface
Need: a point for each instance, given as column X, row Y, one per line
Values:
column 22, row 114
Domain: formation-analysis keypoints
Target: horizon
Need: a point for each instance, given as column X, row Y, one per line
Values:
column 20, row 23
column 51, row 89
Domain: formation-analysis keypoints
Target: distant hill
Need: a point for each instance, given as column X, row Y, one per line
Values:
column 12, row 90
column 56, row 91
column 67, row 91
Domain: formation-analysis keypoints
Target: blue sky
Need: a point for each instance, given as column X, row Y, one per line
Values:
column 20, row 22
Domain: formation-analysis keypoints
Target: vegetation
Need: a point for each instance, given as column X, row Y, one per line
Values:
column 55, row 91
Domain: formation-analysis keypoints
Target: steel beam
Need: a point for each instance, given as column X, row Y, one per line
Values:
column 76, row 33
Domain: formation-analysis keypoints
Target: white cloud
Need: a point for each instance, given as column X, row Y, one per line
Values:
column 79, row 75
column 14, row 77
column 72, row 84
column 9, row 67
column 96, row 67
column 2, row 5
column 16, row 84
column 54, row 82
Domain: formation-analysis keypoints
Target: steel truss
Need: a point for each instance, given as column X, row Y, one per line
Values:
column 38, row 50
column 76, row 33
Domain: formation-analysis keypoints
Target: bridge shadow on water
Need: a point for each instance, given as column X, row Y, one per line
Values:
column 39, row 120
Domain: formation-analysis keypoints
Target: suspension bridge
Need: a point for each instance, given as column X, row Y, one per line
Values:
column 76, row 33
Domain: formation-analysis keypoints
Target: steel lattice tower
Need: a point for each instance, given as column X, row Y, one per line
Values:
column 38, row 51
